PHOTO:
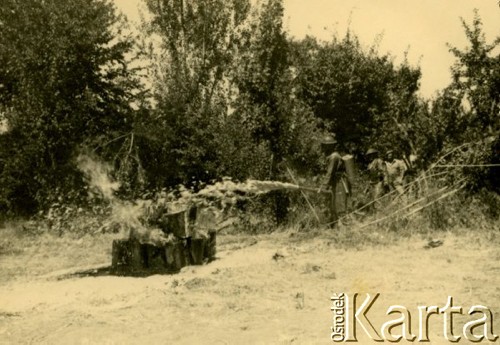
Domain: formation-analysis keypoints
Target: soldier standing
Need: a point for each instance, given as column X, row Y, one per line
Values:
column 334, row 175
column 395, row 173
column 377, row 172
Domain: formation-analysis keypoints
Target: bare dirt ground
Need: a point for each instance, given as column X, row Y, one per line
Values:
column 272, row 289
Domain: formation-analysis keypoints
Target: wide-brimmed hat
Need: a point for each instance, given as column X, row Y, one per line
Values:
column 328, row 140
column 371, row 151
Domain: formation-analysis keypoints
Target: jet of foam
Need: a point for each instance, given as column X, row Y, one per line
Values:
column 98, row 172
column 126, row 215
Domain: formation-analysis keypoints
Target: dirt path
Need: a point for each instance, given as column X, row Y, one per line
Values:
column 271, row 292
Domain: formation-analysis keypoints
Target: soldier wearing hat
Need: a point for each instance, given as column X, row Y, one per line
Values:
column 395, row 171
column 377, row 172
column 334, row 174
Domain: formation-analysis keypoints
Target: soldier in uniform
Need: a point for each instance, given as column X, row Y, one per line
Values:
column 334, row 175
column 377, row 171
column 395, row 173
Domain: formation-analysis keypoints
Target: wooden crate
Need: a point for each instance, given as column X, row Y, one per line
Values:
column 176, row 223
column 130, row 257
column 210, row 245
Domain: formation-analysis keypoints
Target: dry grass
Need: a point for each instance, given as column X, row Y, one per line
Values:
column 27, row 253
column 266, row 289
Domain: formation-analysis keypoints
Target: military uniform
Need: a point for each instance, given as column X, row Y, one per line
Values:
column 395, row 175
column 377, row 172
column 334, row 175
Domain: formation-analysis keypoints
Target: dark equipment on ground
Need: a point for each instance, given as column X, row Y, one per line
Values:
column 185, row 246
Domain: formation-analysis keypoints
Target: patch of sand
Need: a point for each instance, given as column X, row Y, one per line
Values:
column 271, row 292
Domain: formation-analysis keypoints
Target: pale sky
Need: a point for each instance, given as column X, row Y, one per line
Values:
column 423, row 26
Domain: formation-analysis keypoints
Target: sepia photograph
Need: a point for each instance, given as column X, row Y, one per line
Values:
column 249, row 171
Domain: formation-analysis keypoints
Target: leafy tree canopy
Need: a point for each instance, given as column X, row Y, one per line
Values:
column 64, row 81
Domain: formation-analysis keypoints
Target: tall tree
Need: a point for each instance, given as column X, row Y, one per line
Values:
column 261, row 76
column 267, row 97
column 358, row 94
column 476, row 77
column 64, row 81
column 197, row 41
column 476, row 85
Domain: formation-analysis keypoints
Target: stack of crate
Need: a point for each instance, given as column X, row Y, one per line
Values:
column 186, row 247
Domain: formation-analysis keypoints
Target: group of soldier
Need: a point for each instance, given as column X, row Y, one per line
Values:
column 386, row 173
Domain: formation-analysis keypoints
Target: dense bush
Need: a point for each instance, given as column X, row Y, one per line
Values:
column 64, row 82
column 231, row 95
